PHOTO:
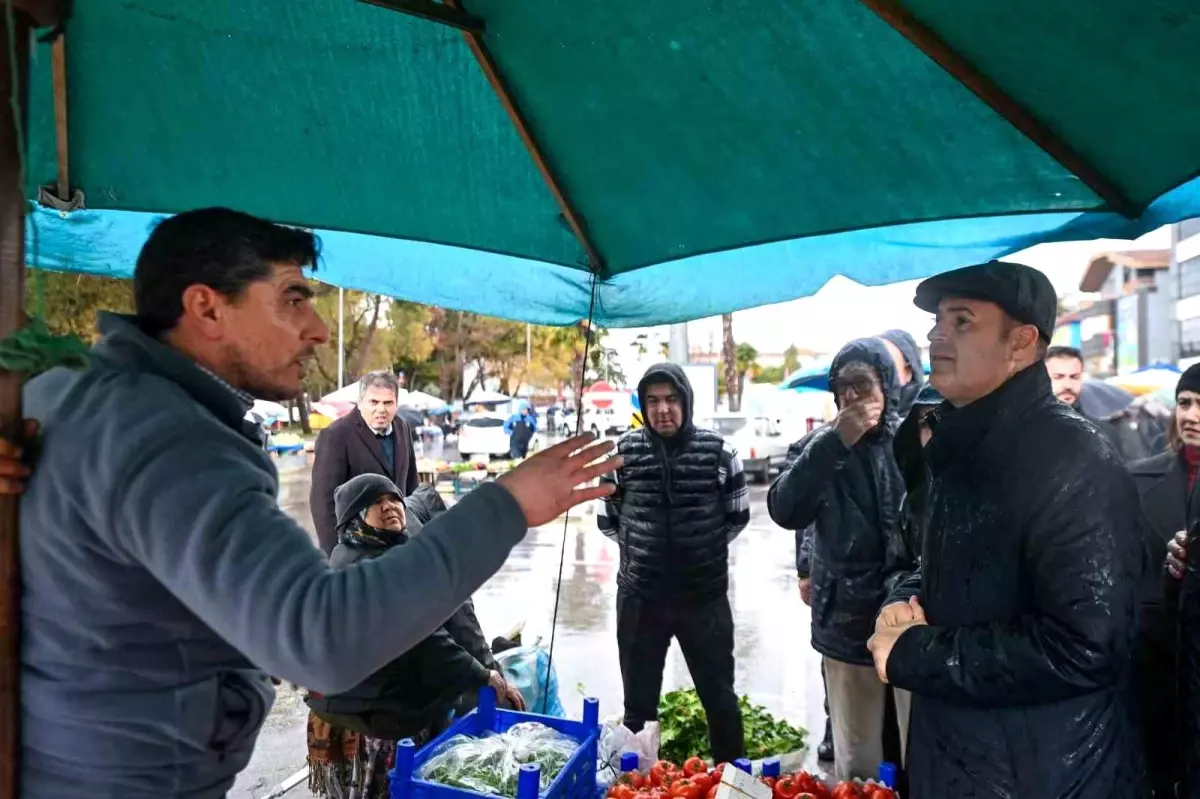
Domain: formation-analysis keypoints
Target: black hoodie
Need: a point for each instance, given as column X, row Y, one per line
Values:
column 673, row 374
column 672, row 525
column 912, row 356
column 853, row 495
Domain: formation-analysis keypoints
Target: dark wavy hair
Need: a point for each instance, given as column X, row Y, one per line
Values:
column 223, row 249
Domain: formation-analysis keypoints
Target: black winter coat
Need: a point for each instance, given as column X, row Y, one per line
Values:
column 1168, row 506
column 416, row 691
column 853, row 496
column 1029, row 581
column 672, row 531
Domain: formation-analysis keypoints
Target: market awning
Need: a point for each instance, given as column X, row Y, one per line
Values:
column 697, row 158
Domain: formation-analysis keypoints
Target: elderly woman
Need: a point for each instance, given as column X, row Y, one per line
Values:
column 352, row 735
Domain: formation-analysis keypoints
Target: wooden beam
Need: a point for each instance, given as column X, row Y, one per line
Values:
column 574, row 220
column 25, row 14
column 962, row 70
column 12, row 317
column 433, row 12
column 58, row 63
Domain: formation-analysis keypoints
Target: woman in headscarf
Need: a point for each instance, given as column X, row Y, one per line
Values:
column 352, row 735
column 1167, row 488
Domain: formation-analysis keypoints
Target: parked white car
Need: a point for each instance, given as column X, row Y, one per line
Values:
column 602, row 422
column 482, row 437
column 758, row 440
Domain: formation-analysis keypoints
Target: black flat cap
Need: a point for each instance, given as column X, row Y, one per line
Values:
column 1021, row 291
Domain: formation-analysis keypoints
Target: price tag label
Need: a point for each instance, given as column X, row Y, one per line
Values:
column 737, row 784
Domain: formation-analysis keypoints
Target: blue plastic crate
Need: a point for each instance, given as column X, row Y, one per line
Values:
column 576, row 781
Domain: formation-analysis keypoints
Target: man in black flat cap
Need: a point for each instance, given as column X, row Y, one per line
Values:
column 1017, row 634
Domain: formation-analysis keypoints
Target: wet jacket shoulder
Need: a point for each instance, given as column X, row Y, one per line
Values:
column 1029, row 583
column 851, row 496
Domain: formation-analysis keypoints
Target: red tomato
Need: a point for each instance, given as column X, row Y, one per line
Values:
column 684, row 788
column 621, row 791
column 694, row 766
column 847, row 790
column 787, row 788
column 633, row 780
column 806, row 795
column 769, row 782
column 718, row 771
column 808, row 783
column 659, row 772
column 712, row 792
column 705, row 781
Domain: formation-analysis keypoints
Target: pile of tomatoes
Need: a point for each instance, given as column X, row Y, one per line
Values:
column 697, row 781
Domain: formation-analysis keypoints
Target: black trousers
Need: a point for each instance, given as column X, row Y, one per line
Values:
column 645, row 628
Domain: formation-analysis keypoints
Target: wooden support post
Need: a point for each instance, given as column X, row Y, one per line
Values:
column 573, row 218
column 432, row 11
column 26, row 14
column 58, row 62
column 12, row 316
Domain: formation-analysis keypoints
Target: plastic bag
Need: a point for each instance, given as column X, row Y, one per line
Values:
column 616, row 739
column 491, row 764
column 525, row 668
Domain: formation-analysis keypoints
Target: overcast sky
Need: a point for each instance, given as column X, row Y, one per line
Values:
column 844, row 310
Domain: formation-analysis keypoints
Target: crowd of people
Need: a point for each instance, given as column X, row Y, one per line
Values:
column 987, row 558
column 996, row 572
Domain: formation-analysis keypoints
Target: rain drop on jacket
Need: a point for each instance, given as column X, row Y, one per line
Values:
column 1029, row 580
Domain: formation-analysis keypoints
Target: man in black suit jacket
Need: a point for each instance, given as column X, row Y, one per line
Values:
column 371, row 440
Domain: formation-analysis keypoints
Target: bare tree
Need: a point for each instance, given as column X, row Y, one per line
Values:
column 729, row 361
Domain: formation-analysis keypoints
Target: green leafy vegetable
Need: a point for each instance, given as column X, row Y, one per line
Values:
column 683, row 729
column 490, row 764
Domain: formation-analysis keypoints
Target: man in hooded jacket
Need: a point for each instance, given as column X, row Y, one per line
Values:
column 681, row 499
column 910, row 374
column 844, row 478
column 1016, row 636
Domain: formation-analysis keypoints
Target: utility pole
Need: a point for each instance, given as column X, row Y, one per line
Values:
column 341, row 343
column 678, row 351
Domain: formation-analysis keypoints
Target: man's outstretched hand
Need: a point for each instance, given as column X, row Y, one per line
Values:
column 552, row 482
column 12, row 470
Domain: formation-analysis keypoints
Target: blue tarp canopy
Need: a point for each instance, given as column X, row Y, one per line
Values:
column 107, row 243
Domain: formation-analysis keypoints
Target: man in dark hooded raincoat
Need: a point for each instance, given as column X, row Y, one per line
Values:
column 844, row 478
column 1017, row 641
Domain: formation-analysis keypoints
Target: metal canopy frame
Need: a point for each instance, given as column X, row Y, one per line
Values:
column 983, row 87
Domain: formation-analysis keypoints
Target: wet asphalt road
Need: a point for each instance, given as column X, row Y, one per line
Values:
column 776, row 666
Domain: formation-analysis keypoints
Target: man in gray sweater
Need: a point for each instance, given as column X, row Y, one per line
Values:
column 162, row 583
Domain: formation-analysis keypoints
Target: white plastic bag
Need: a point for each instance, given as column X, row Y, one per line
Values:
column 616, row 740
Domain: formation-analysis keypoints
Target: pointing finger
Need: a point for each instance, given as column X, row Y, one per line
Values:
column 603, row 467
column 565, row 447
column 589, row 454
column 587, row 493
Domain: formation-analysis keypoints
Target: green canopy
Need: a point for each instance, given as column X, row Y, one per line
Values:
column 673, row 130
